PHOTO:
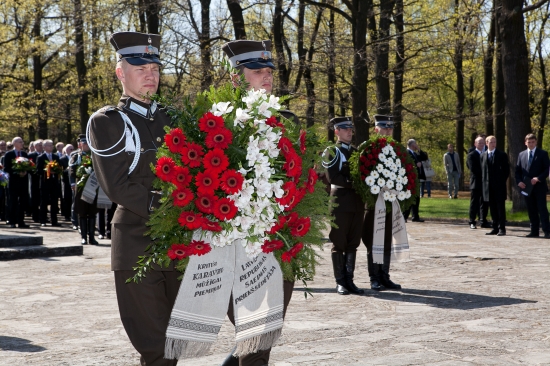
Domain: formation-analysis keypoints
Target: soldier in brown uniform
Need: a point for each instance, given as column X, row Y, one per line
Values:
column 126, row 178
column 348, row 215
column 380, row 273
column 253, row 60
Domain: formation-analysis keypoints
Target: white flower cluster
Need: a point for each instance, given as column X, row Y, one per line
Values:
column 258, row 210
column 389, row 176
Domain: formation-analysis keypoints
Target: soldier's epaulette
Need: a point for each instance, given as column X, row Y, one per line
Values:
column 108, row 108
column 290, row 116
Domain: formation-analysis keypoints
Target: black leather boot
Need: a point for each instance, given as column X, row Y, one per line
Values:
column 375, row 273
column 83, row 231
column 91, row 230
column 350, row 269
column 231, row 360
column 339, row 268
column 385, row 279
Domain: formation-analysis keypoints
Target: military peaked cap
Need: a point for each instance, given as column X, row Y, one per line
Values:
column 383, row 121
column 82, row 138
column 250, row 54
column 137, row 48
column 341, row 122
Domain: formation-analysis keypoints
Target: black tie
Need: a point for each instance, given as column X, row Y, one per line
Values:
column 530, row 158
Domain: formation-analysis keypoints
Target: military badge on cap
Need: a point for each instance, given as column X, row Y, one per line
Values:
column 383, row 121
column 341, row 123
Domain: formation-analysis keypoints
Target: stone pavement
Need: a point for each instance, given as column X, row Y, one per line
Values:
column 468, row 299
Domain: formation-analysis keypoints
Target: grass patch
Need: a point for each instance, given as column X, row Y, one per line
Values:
column 445, row 208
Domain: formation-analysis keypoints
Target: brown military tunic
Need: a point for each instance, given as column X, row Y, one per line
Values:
column 131, row 192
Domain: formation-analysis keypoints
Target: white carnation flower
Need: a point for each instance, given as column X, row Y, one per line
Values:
column 398, row 162
column 381, row 157
column 221, row 108
column 369, row 180
column 402, row 171
column 389, row 184
column 375, row 189
column 401, row 196
column 374, row 174
column 399, row 186
column 405, row 180
column 386, row 196
column 386, row 173
column 393, row 176
column 408, row 194
column 392, row 197
column 399, row 179
column 379, row 167
column 381, row 182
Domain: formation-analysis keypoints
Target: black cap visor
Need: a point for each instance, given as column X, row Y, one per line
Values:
column 142, row 60
column 384, row 124
column 257, row 63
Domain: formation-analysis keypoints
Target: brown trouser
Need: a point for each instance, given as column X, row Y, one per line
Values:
column 261, row 358
column 145, row 311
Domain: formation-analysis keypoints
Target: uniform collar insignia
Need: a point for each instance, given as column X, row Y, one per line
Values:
column 345, row 146
column 144, row 110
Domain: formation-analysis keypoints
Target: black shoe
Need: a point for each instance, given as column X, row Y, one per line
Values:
column 417, row 219
column 501, row 233
column 24, row 226
column 486, row 225
column 390, row 285
column 56, row 224
column 492, row 232
column 83, row 242
column 231, row 360
column 532, row 235
column 547, row 235
column 341, row 290
column 455, row 197
column 473, row 226
column 12, row 226
column 376, row 286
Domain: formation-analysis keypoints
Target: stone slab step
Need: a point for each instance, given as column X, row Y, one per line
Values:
column 38, row 251
column 8, row 241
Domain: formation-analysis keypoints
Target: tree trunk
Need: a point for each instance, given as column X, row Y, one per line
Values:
column 331, row 72
column 278, row 40
column 81, row 69
column 38, row 68
column 488, row 60
column 546, row 89
column 360, row 69
column 399, row 71
column 204, row 41
column 500, row 102
column 141, row 16
column 153, row 21
column 460, row 96
column 516, row 84
column 308, row 79
column 236, row 12
column 381, row 49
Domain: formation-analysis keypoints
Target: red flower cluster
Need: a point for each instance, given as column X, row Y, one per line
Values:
column 297, row 226
column 292, row 253
column 272, row 121
column 181, row 251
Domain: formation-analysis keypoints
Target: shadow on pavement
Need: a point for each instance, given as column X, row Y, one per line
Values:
column 435, row 298
column 18, row 345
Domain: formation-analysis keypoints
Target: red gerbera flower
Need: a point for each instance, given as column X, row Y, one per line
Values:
column 165, row 168
column 296, row 249
column 286, row 146
column 209, row 122
column 182, row 197
column 224, row 209
column 191, row 154
column 207, row 181
column 281, row 221
column 216, row 161
column 199, row 247
column 220, row 138
column 291, row 217
column 231, row 181
column 272, row 121
column 293, row 165
column 272, row 245
column 311, row 180
column 175, row 140
column 205, row 202
column 286, row 257
column 295, row 199
column 302, row 141
column 181, row 177
column 211, row 226
column 190, row 220
column 289, row 189
column 178, row 251
column 300, row 227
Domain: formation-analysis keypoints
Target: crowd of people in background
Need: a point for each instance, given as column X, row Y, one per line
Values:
column 49, row 189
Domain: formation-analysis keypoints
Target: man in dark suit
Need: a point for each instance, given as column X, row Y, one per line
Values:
column 348, row 215
column 144, row 307
column 495, row 170
column 49, row 184
column 18, row 185
column 477, row 204
column 412, row 148
column 532, row 170
column 67, row 192
column 35, row 181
